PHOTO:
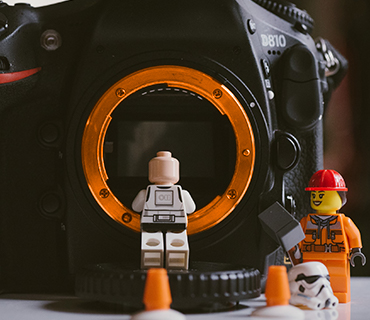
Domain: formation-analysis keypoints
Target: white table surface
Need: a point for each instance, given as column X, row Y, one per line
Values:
column 36, row 307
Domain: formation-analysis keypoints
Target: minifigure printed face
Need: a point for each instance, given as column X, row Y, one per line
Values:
column 325, row 201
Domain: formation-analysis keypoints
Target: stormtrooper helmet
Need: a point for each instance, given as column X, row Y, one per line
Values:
column 310, row 286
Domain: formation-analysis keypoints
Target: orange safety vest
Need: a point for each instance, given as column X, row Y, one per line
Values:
column 332, row 233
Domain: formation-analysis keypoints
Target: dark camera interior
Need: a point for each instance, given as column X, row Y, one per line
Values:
column 164, row 118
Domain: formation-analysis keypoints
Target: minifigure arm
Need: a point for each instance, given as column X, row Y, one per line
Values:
column 139, row 201
column 354, row 241
column 352, row 232
column 189, row 203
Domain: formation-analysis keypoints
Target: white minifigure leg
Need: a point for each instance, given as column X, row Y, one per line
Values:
column 152, row 250
column 177, row 250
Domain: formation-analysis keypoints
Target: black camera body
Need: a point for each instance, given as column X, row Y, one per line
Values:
column 91, row 90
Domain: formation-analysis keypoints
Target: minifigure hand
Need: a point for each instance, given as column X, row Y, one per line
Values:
column 297, row 254
column 356, row 252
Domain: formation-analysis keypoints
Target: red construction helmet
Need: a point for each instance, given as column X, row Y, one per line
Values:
column 326, row 180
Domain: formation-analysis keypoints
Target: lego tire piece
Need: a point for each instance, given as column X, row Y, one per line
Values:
column 205, row 286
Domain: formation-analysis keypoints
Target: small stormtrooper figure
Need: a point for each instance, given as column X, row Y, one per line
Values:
column 164, row 207
column 310, row 286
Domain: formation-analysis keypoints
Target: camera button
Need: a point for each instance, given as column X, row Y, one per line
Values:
column 51, row 205
column 49, row 133
column 287, row 151
column 51, row 40
column 266, row 67
column 271, row 94
column 302, row 28
column 301, row 97
column 252, row 26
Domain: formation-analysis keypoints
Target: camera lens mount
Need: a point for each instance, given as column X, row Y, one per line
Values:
column 92, row 149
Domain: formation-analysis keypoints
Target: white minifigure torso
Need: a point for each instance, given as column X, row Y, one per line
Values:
column 164, row 208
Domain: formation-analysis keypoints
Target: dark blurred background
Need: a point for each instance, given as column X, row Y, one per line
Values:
column 346, row 24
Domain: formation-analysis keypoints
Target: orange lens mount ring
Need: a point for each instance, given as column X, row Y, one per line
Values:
column 188, row 79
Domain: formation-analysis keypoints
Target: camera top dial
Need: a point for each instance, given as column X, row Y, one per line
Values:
column 289, row 12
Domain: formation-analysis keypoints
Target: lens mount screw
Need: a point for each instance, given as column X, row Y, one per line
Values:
column 120, row 92
column 217, row 93
column 246, row 153
column 104, row 193
column 232, row 194
column 126, row 217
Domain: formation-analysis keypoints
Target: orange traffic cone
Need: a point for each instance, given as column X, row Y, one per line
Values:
column 277, row 295
column 277, row 291
column 157, row 292
column 157, row 298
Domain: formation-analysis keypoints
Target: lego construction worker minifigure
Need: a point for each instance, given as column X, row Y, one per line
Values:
column 331, row 237
column 164, row 207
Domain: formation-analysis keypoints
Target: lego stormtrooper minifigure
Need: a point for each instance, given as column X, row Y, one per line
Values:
column 310, row 286
column 164, row 207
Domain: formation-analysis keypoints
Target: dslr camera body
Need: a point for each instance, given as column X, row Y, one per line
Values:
column 90, row 90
